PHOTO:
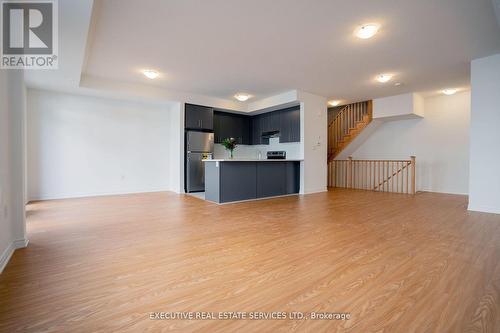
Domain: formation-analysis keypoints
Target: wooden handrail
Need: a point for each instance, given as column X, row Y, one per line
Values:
column 346, row 124
column 375, row 175
column 338, row 114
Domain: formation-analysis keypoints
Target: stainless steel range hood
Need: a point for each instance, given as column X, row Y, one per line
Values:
column 270, row 134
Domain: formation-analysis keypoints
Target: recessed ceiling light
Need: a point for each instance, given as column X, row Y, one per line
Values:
column 242, row 97
column 397, row 84
column 449, row 91
column 367, row 31
column 383, row 78
column 150, row 74
column 333, row 103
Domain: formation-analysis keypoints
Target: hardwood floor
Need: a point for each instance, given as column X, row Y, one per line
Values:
column 396, row 263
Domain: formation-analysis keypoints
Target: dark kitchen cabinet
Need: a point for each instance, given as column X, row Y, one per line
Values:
column 258, row 125
column 271, row 179
column 290, row 125
column 222, row 126
column 237, row 181
column 256, row 131
column 271, row 121
column 218, row 127
column 247, row 130
column 199, row 117
column 242, row 129
column 292, row 177
column 228, row 125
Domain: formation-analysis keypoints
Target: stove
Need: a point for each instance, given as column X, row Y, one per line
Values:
column 276, row 155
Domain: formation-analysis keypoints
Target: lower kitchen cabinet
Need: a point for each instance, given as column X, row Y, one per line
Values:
column 237, row 181
column 271, row 179
column 228, row 181
column 292, row 181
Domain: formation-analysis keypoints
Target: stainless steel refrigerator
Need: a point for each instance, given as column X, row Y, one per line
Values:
column 199, row 145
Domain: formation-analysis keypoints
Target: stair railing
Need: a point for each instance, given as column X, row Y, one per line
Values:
column 346, row 120
column 397, row 176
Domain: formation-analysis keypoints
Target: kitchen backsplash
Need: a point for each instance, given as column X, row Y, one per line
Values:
column 293, row 150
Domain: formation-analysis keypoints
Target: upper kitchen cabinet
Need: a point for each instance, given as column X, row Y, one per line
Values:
column 290, row 125
column 244, row 125
column 218, row 127
column 257, row 126
column 270, row 121
column 249, row 130
column 228, row 125
column 199, row 117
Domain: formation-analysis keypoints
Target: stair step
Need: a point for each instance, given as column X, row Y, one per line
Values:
column 351, row 132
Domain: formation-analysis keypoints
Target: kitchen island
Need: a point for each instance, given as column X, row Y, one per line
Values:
column 229, row 180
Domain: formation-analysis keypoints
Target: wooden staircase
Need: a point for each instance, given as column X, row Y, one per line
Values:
column 346, row 125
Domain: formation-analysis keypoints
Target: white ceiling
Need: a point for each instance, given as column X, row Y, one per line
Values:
column 219, row 47
column 263, row 47
column 74, row 19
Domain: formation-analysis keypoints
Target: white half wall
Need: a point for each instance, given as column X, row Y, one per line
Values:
column 399, row 106
column 440, row 141
column 485, row 135
column 87, row 146
column 12, row 175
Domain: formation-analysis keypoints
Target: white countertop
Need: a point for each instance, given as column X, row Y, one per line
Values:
column 250, row 160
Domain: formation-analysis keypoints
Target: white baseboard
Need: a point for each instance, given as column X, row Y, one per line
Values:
column 484, row 209
column 7, row 253
column 33, row 198
column 317, row 190
column 20, row 243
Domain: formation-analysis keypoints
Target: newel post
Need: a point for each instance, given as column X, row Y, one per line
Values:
column 413, row 174
column 349, row 172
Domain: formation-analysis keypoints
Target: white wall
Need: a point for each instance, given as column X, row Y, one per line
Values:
column 314, row 136
column 176, row 147
column 440, row 141
column 12, row 113
column 86, row 146
column 485, row 135
column 405, row 105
